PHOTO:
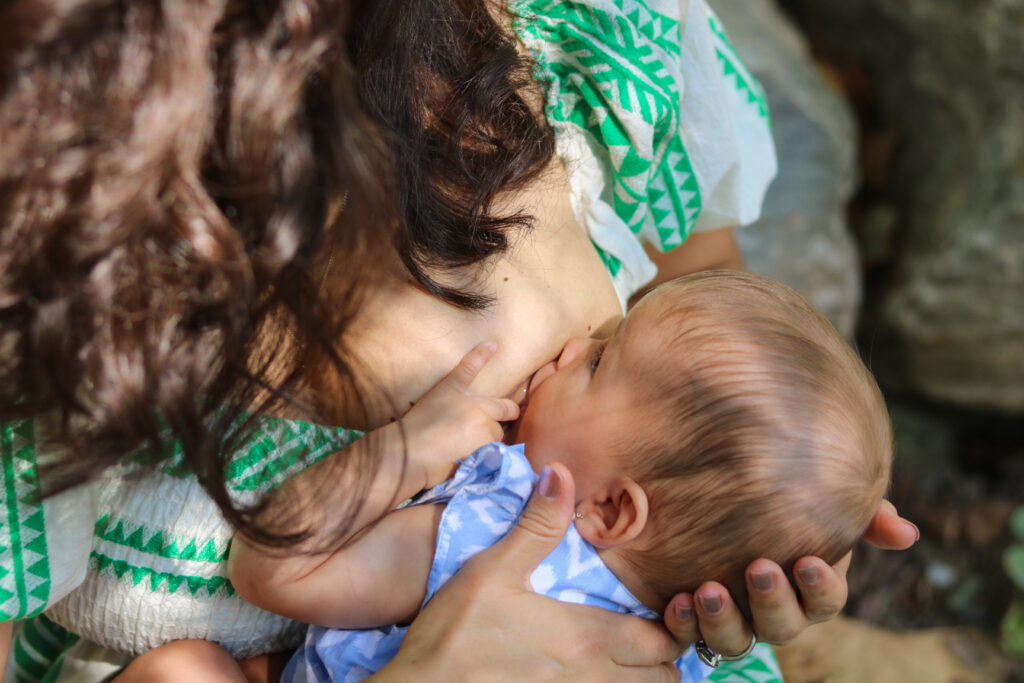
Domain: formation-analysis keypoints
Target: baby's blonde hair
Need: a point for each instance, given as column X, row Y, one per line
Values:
column 769, row 436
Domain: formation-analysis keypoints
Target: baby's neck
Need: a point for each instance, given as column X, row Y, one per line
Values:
column 614, row 559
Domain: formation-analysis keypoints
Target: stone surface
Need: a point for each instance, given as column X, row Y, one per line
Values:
column 849, row 651
column 949, row 80
column 802, row 238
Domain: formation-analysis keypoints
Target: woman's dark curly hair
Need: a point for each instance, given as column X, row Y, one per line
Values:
column 176, row 176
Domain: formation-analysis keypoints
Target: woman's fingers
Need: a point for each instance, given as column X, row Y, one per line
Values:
column 636, row 642
column 822, row 588
column 778, row 616
column 890, row 531
column 681, row 620
column 723, row 627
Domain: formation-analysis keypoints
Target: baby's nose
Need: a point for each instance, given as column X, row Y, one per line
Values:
column 542, row 374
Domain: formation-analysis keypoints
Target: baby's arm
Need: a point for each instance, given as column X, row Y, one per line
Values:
column 379, row 577
column 447, row 423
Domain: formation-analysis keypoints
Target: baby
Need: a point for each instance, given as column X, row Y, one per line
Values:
column 725, row 420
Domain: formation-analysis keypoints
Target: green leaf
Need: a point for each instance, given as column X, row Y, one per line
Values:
column 1017, row 523
column 1012, row 630
column 1013, row 563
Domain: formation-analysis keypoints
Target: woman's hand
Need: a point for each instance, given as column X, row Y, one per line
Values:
column 449, row 423
column 779, row 613
column 488, row 624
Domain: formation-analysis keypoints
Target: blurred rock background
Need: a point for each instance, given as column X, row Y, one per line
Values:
column 899, row 211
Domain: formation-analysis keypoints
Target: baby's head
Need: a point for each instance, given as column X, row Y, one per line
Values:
column 725, row 420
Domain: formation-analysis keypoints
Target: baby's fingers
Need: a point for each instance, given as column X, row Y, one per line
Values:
column 470, row 366
column 500, row 409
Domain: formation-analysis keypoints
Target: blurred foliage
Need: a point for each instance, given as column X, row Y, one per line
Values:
column 1012, row 628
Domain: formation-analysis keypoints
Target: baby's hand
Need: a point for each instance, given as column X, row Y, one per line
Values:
column 448, row 423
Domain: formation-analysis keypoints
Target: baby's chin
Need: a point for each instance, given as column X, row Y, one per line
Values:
column 520, row 395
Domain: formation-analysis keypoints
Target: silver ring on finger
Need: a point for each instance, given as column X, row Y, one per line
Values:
column 713, row 659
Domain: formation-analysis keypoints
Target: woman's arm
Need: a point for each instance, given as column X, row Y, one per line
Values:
column 701, row 251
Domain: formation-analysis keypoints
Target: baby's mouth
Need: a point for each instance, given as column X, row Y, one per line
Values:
column 521, row 395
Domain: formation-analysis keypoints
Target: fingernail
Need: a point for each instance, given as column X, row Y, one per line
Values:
column 550, row 484
column 763, row 581
column 684, row 612
column 492, row 346
column 809, row 575
column 917, row 532
column 712, row 604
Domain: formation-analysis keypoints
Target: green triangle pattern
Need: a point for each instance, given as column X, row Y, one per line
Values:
column 760, row 666
column 158, row 543
column 612, row 264
column 214, row 586
column 735, row 71
column 25, row 583
column 274, row 450
column 614, row 75
column 284, row 448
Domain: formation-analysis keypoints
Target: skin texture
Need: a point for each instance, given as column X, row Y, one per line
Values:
column 5, row 643
column 183, row 660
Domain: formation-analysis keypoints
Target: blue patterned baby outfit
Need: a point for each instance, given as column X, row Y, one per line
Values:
column 484, row 499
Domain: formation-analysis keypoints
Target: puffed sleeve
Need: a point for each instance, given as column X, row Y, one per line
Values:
column 725, row 124
column 44, row 544
column 661, row 128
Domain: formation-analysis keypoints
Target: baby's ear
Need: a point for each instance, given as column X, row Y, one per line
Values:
column 613, row 516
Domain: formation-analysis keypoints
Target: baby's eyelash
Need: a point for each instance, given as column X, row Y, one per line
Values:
column 595, row 358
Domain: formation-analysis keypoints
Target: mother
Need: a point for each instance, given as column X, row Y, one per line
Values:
column 196, row 233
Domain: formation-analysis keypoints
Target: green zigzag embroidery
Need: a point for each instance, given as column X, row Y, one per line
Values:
column 215, row 586
column 758, row 667
column 612, row 264
column 25, row 582
column 155, row 543
column 274, row 450
column 733, row 69
column 610, row 63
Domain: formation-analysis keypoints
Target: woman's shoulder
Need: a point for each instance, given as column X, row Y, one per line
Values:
column 662, row 128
